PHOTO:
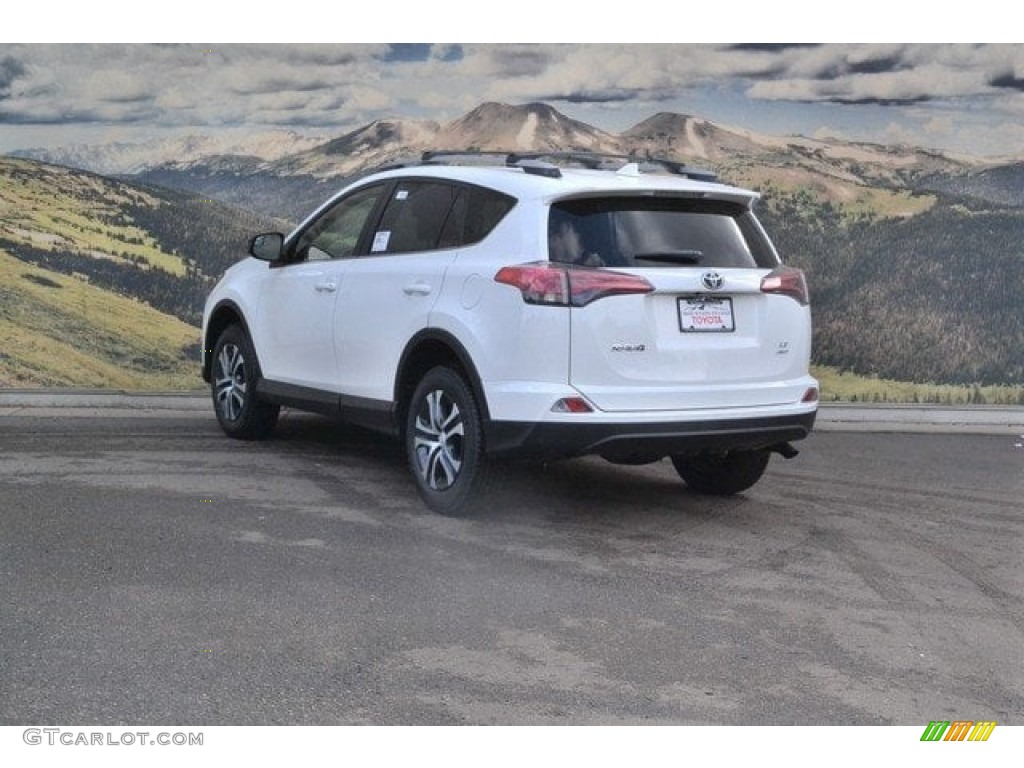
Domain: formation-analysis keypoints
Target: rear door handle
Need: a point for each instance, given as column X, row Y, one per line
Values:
column 417, row 289
column 327, row 287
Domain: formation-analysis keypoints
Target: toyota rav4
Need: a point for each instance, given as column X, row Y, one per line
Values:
column 539, row 306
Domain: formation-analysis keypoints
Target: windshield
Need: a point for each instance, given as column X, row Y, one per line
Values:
column 657, row 232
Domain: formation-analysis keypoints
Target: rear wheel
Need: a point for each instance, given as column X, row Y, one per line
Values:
column 722, row 474
column 235, row 372
column 444, row 443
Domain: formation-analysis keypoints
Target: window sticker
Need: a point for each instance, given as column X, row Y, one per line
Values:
column 380, row 241
column 401, row 194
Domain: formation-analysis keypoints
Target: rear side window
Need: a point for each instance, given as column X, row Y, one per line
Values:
column 426, row 215
column 657, row 232
column 414, row 217
column 476, row 212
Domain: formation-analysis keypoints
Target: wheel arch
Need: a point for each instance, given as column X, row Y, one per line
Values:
column 427, row 349
column 225, row 314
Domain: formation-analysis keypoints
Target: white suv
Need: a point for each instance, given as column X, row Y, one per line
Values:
column 634, row 310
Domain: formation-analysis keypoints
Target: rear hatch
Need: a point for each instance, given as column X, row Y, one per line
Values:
column 720, row 324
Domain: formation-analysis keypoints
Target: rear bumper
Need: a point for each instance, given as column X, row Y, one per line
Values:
column 548, row 440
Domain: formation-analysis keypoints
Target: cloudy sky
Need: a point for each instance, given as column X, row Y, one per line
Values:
column 957, row 97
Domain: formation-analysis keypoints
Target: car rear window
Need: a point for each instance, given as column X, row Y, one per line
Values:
column 657, row 232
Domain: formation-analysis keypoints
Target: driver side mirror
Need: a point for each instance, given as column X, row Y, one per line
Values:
column 267, row 247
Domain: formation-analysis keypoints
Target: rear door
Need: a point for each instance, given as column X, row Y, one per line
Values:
column 707, row 336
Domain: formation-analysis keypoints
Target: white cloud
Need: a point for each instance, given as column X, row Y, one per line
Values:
column 365, row 99
column 196, row 85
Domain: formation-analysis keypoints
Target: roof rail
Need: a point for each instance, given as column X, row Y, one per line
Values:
column 646, row 163
column 511, row 159
column 680, row 169
column 536, row 163
column 439, row 156
column 592, row 160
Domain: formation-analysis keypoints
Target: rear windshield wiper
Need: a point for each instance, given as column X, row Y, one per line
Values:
column 673, row 257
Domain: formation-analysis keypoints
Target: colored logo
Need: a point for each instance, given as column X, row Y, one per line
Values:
column 958, row 730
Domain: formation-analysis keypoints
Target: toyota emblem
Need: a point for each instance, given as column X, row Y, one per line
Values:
column 712, row 280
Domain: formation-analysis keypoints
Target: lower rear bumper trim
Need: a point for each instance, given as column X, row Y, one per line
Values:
column 514, row 439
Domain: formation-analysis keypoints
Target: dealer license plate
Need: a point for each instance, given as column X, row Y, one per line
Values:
column 706, row 315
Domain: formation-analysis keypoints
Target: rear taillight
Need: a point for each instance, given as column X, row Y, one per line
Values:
column 788, row 281
column 538, row 283
column 563, row 286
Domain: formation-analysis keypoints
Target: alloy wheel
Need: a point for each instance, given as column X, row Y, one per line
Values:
column 438, row 441
column 230, row 382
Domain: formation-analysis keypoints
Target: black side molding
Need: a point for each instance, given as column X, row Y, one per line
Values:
column 378, row 415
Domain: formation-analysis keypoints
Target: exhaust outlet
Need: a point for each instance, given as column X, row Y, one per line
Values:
column 786, row 450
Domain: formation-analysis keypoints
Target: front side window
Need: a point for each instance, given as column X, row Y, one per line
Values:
column 656, row 232
column 336, row 234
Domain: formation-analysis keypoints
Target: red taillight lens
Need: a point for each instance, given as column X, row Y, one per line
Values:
column 810, row 396
column 554, row 285
column 587, row 285
column 539, row 284
column 787, row 281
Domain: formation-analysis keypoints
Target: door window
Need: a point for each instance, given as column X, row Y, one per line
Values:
column 415, row 214
column 336, row 234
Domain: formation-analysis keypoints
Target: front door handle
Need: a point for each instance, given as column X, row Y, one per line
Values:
column 417, row 289
column 327, row 287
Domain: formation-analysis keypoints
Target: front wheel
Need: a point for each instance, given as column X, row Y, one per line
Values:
column 235, row 372
column 722, row 474
column 444, row 443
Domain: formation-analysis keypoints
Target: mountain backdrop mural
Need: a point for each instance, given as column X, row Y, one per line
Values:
column 915, row 257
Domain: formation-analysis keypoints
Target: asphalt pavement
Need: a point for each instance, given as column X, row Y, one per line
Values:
column 157, row 572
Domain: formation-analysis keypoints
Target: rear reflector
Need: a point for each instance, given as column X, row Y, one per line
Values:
column 572, row 405
column 557, row 285
column 810, row 396
column 787, row 281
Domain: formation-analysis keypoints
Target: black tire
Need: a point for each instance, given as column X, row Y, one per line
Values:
column 722, row 474
column 234, row 372
column 444, row 444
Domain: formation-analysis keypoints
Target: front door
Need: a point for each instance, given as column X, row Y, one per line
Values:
column 297, row 322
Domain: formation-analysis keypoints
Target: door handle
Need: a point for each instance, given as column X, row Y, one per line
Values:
column 327, row 287
column 417, row 289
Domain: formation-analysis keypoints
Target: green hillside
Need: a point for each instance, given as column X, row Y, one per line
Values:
column 58, row 330
column 101, row 282
column 932, row 297
column 51, row 208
